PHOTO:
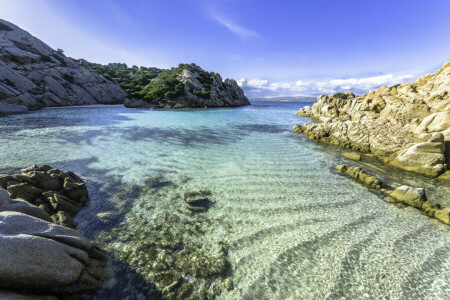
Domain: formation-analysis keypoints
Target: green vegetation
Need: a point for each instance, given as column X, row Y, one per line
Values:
column 59, row 58
column 153, row 84
column 340, row 95
column 394, row 86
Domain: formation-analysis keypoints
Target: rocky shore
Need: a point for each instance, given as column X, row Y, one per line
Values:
column 42, row 255
column 406, row 125
column 410, row 196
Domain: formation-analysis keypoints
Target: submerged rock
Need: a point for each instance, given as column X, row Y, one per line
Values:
column 407, row 195
column 198, row 201
column 358, row 174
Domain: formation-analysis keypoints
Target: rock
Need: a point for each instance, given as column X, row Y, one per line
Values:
column 198, row 201
column 226, row 285
column 33, row 75
column 426, row 158
column 75, row 190
column 358, row 174
column 304, row 111
column 443, row 215
column 62, row 203
column 37, row 254
column 21, row 206
column 24, row 191
column 64, row 219
column 430, row 208
column 412, row 196
column 405, row 125
column 445, row 175
column 4, row 180
column 352, row 155
column 42, row 179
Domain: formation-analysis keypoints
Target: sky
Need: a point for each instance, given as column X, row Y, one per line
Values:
column 272, row 48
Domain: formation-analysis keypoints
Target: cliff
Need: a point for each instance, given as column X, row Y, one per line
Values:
column 405, row 125
column 34, row 75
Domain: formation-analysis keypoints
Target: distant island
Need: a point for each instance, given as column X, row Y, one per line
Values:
column 290, row 99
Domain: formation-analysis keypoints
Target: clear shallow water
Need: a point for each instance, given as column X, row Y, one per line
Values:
column 295, row 227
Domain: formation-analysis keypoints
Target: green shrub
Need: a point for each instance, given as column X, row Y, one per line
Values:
column 46, row 58
column 394, row 86
column 153, row 84
column 340, row 95
column 60, row 59
column 203, row 94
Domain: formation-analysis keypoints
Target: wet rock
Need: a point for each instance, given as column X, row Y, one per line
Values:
column 412, row 196
column 4, row 180
column 352, row 155
column 61, row 203
column 443, row 215
column 358, row 174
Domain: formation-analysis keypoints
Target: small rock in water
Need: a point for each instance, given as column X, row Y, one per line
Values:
column 198, row 201
column 352, row 155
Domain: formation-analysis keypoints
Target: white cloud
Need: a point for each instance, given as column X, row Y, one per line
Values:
column 264, row 88
column 233, row 27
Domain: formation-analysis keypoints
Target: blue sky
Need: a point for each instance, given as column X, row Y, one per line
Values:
column 273, row 48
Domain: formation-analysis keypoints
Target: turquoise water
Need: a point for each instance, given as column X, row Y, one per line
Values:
column 296, row 229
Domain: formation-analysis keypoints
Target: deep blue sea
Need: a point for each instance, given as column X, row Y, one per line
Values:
column 296, row 228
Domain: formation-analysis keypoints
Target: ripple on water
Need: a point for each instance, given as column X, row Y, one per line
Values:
column 296, row 229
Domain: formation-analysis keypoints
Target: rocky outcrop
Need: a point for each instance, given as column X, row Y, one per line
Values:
column 221, row 93
column 415, row 197
column 217, row 93
column 405, row 125
column 41, row 253
column 34, row 75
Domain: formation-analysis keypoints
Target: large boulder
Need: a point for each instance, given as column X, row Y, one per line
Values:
column 38, row 256
column 427, row 158
column 412, row 196
column 22, row 206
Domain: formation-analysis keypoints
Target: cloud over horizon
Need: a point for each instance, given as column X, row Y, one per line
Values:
column 260, row 88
